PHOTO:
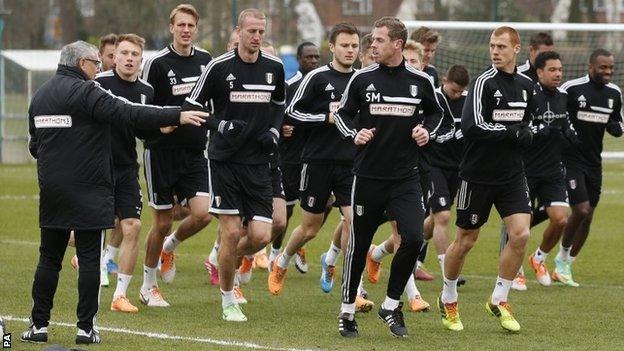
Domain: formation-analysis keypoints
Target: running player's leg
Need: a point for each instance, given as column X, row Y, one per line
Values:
column 577, row 184
column 368, row 202
column 552, row 194
column 112, row 248
column 159, row 166
column 377, row 253
column 594, row 188
column 280, row 222
column 420, row 272
column 444, row 188
column 193, row 189
column 315, row 192
column 473, row 209
column 407, row 209
column 512, row 202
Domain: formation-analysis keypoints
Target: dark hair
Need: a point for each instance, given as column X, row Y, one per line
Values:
column 540, row 38
column 343, row 27
column 458, row 74
column 599, row 52
column 303, row 46
column 396, row 28
column 425, row 35
column 543, row 57
column 108, row 39
column 366, row 42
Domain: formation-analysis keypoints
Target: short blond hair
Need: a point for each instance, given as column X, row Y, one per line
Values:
column 131, row 38
column 255, row 13
column 417, row 47
column 184, row 8
column 513, row 34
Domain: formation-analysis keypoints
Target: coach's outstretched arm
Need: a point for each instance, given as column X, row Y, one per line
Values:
column 108, row 108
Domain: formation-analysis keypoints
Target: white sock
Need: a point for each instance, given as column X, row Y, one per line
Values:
column 501, row 290
column 360, row 287
column 441, row 262
column 521, row 270
column 236, row 278
column 284, row 260
column 214, row 254
column 332, row 255
column 540, row 256
column 410, row 288
column 418, row 265
column 564, row 253
column 123, row 280
column 149, row 277
column 111, row 253
column 379, row 252
column 102, row 260
column 449, row 290
column 273, row 254
column 171, row 242
column 347, row 308
column 227, row 298
column 390, row 304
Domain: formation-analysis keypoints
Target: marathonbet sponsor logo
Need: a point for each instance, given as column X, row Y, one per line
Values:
column 53, row 121
column 182, row 89
column 263, row 97
column 508, row 115
column 399, row 110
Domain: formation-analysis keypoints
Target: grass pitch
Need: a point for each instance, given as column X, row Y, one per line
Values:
column 303, row 317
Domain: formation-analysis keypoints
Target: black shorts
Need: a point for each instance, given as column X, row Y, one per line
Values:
column 179, row 172
column 128, row 199
column 320, row 180
column 443, row 185
column 474, row 201
column 243, row 190
column 276, row 183
column 291, row 179
column 376, row 201
column 584, row 185
column 548, row 191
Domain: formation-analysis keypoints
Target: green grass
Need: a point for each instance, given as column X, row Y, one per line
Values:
column 303, row 317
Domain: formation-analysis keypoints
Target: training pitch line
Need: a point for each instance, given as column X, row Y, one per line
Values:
column 163, row 336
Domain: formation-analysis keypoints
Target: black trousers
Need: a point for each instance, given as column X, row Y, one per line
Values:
column 51, row 252
column 374, row 202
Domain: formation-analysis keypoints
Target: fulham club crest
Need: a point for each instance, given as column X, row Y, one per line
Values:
column 269, row 77
column 474, row 218
column 524, row 94
column 414, row 90
column 359, row 210
column 610, row 103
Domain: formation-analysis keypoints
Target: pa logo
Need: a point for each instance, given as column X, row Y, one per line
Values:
column 6, row 341
column 572, row 184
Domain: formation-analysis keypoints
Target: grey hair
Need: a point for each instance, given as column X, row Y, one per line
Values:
column 71, row 53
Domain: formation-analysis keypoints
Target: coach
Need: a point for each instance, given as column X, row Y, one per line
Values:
column 70, row 119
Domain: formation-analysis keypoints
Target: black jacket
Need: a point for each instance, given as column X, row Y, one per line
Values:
column 70, row 136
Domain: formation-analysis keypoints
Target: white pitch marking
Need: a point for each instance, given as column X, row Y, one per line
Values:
column 247, row 345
